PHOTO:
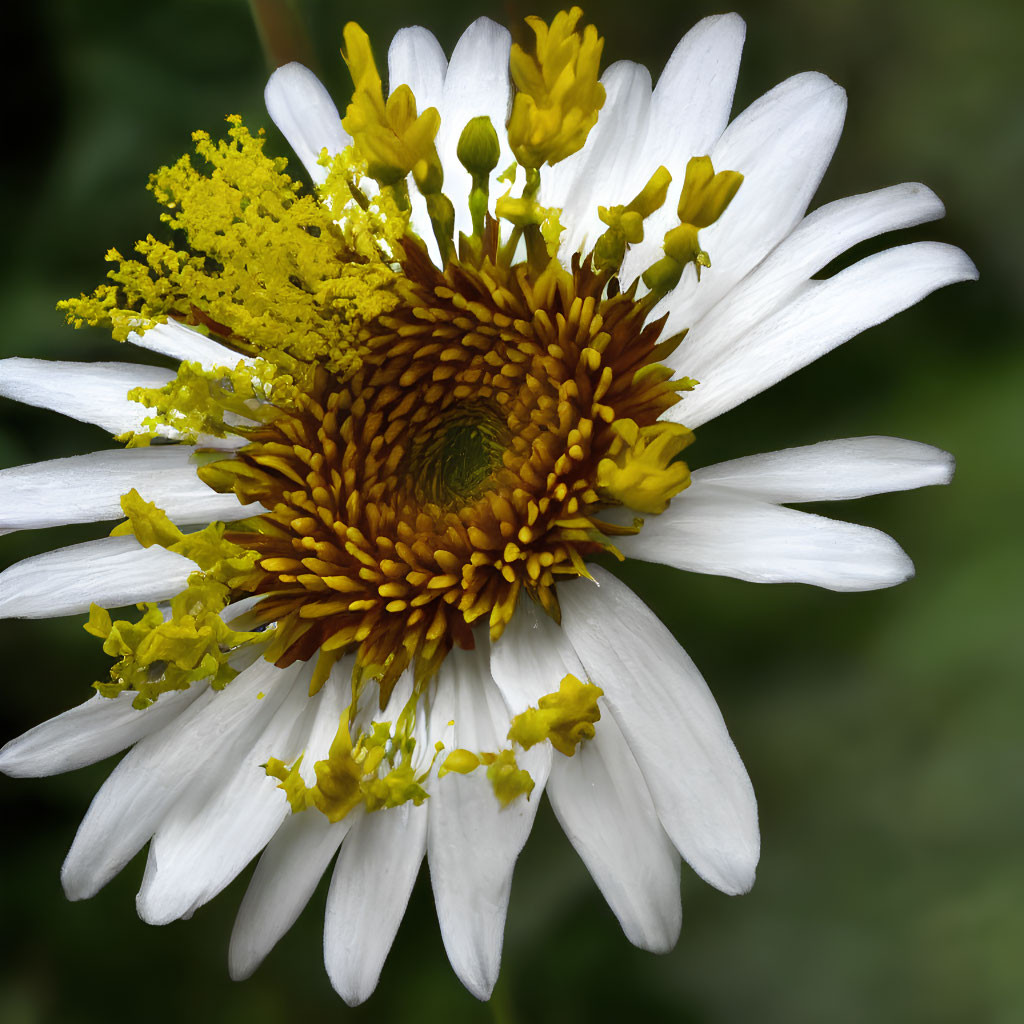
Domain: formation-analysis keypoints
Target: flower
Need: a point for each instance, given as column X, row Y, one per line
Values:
column 412, row 407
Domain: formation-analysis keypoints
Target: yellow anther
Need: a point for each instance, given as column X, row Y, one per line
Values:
column 558, row 95
column 565, row 717
column 507, row 779
column 626, row 223
column 639, row 470
column 392, row 138
column 704, row 198
column 706, row 195
column 460, row 761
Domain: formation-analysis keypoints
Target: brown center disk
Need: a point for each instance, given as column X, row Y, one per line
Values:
column 455, row 468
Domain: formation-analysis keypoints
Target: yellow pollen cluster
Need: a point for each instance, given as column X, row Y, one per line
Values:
column 507, row 779
column 162, row 652
column 393, row 139
column 267, row 269
column 704, row 198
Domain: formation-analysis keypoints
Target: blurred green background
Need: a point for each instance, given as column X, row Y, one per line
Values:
column 882, row 731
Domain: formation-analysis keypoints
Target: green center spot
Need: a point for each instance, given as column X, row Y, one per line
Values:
column 455, row 464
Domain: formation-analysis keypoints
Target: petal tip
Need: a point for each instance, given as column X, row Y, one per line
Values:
column 242, row 960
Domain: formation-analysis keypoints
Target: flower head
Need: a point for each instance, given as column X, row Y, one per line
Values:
column 414, row 403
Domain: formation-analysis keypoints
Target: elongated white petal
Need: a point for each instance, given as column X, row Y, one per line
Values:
column 598, row 794
column 90, row 392
column 603, row 175
column 184, row 344
column 689, row 111
column 472, row 841
column 88, row 488
column 476, row 85
column 89, row 733
column 188, row 754
column 693, row 97
column 817, row 240
column 284, row 880
column 831, row 470
column 111, row 572
column 369, row 892
column 605, row 808
column 531, row 658
column 415, row 59
column 303, row 110
column 782, row 144
column 297, row 856
column 721, row 532
column 207, row 838
column 822, row 315
column 673, row 726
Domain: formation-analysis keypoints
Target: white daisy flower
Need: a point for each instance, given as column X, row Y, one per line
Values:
column 414, row 404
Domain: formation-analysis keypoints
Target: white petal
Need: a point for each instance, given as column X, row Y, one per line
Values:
column 207, row 837
column 598, row 794
column 111, row 572
column 818, row 239
column 88, row 733
column 693, row 97
column 472, row 841
column 415, row 59
column 88, row 488
column 294, row 859
column 689, row 111
column 90, row 392
column 303, row 110
column 782, row 144
column 717, row 531
column 476, row 85
column 284, row 880
column 531, row 658
column 184, row 344
column 832, row 470
column 603, row 175
column 605, row 808
column 189, row 753
column 823, row 315
column 673, row 726
column 369, row 892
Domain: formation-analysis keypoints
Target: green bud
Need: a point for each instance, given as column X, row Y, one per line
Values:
column 478, row 150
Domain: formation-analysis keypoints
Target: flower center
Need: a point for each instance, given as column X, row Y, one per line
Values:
column 453, row 464
column 469, row 459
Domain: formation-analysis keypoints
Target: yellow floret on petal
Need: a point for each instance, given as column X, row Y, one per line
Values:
column 564, row 718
